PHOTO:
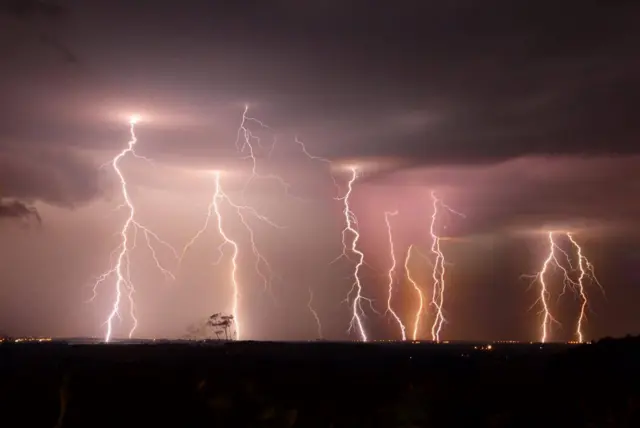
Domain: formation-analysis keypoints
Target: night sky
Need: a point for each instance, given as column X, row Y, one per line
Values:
column 521, row 115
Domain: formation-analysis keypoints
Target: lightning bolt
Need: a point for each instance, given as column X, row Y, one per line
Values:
column 122, row 267
column 351, row 224
column 250, row 145
column 213, row 211
column 350, row 220
column 310, row 156
column 438, row 272
column 314, row 313
column 391, row 274
column 219, row 196
column 586, row 271
column 248, row 142
column 544, row 294
column 419, row 312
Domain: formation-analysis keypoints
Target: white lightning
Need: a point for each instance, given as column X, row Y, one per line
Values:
column 218, row 196
column 585, row 271
column 122, row 268
column 391, row 274
column 242, row 211
column 248, row 142
column 351, row 224
column 438, row 273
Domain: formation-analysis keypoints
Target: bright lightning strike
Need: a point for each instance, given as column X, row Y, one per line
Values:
column 391, row 274
column 213, row 211
column 438, row 273
column 351, row 224
column 250, row 143
column 586, row 271
column 420, row 311
column 247, row 141
column 543, row 298
column 218, row 196
column 122, row 268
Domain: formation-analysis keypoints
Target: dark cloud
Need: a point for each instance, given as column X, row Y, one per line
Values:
column 534, row 194
column 17, row 209
column 518, row 113
column 431, row 83
column 532, row 79
column 30, row 12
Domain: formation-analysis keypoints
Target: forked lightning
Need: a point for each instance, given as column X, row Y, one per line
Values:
column 392, row 274
column 130, row 228
column 585, row 272
column 420, row 311
column 351, row 226
column 438, row 272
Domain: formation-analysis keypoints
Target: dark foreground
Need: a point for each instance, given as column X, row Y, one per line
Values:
column 320, row 385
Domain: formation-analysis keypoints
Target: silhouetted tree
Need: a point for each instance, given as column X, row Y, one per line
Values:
column 216, row 324
column 222, row 321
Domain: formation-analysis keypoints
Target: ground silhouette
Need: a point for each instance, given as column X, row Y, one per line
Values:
column 321, row 384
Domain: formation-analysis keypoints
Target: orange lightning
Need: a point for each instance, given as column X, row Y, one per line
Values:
column 122, row 268
column 351, row 224
column 419, row 312
column 391, row 274
column 438, row 273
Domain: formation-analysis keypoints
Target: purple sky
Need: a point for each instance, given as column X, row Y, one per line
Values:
column 517, row 114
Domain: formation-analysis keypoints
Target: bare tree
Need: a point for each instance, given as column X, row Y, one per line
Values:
column 217, row 324
column 225, row 322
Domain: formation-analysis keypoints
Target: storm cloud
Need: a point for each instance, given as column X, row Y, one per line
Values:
column 519, row 114
column 530, row 194
column 18, row 210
